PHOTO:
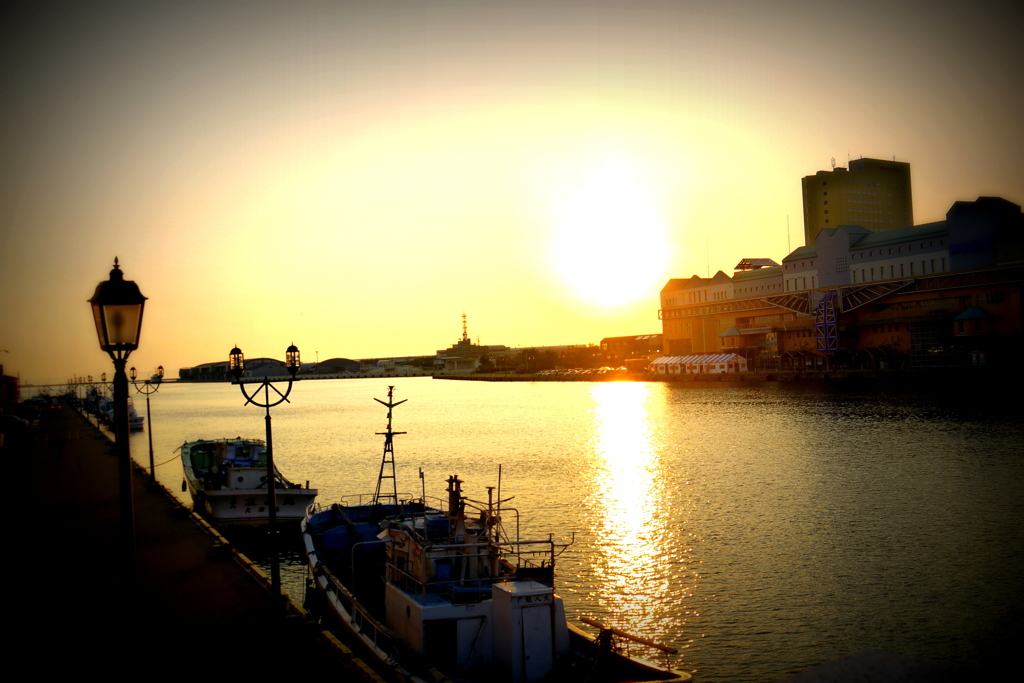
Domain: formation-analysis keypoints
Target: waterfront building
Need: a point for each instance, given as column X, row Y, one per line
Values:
column 631, row 351
column 871, row 193
column 934, row 295
column 205, row 372
column 218, row 370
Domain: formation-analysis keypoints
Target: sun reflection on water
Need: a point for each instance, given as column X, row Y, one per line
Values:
column 626, row 505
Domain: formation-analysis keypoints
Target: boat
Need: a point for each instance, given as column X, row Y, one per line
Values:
column 227, row 479
column 135, row 421
column 438, row 591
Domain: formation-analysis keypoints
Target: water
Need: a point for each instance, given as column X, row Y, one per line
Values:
column 760, row 530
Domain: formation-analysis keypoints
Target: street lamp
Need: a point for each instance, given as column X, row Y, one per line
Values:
column 149, row 387
column 236, row 365
column 117, row 309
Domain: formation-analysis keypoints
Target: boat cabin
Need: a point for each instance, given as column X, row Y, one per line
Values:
column 230, row 464
column 461, row 596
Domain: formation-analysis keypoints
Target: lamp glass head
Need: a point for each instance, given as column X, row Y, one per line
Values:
column 236, row 363
column 291, row 359
column 117, row 307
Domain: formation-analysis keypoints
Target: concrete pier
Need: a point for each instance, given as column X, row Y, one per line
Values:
column 193, row 606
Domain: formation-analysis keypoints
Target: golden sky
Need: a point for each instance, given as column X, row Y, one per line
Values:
column 353, row 176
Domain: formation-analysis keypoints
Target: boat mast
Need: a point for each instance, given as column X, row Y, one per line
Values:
column 388, row 460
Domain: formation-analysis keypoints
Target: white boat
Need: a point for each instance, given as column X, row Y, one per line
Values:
column 228, row 482
column 442, row 592
column 135, row 421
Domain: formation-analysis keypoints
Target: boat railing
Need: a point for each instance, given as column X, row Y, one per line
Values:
column 498, row 562
column 363, row 499
column 364, row 623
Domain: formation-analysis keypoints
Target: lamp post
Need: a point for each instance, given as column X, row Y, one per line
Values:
column 117, row 309
column 149, row 387
column 236, row 365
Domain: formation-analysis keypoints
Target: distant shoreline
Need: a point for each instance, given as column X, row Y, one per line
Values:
column 972, row 375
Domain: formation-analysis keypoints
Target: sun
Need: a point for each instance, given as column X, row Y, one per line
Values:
column 610, row 246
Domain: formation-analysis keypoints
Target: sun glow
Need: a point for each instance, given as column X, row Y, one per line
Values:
column 611, row 246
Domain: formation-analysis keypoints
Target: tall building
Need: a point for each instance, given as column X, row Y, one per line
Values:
column 872, row 193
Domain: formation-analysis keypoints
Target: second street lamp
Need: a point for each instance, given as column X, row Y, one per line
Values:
column 236, row 365
column 149, row 386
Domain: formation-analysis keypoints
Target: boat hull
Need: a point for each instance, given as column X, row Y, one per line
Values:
column 251, row 507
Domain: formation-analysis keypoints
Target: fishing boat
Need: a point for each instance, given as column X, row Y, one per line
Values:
column 135, row 421
column 440, row 592
column 227, row 479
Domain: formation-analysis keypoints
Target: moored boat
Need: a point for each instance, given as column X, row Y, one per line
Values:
column 227, row 479
column 135, row 421
column 440, row 591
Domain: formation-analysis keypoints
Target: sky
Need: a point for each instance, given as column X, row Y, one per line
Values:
column 352, row 177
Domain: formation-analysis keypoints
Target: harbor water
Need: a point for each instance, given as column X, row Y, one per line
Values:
column 761, row 530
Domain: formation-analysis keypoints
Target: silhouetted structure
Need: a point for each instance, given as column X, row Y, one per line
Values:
column 335, row 366
column 465, row 356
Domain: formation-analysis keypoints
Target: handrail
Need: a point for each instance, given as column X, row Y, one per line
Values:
column 356, row 606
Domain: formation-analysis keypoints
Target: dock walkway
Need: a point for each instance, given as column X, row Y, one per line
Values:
column 193, row 608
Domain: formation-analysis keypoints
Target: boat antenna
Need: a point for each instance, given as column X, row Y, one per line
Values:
column 389, row 453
